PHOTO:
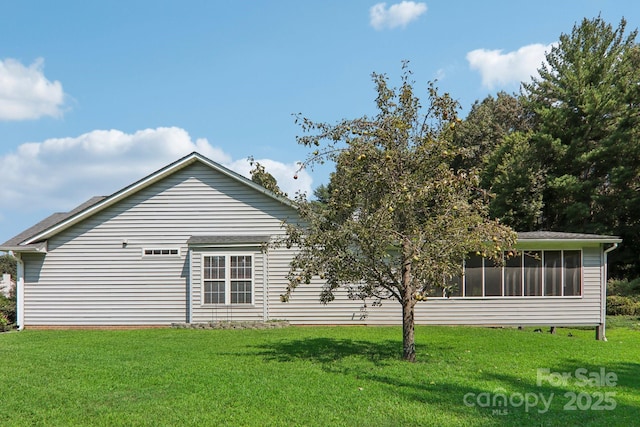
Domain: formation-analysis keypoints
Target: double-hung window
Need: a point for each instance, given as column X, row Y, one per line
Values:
column 228, row 279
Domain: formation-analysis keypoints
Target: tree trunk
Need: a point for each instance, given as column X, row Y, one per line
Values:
column 408, row 340
column 408, row 304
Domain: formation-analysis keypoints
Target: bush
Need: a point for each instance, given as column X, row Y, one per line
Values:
column 7, row 309
column 621, row 305
column 624, row 287
column 4, row 323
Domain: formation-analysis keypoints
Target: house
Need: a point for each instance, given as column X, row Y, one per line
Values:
column 188, row 244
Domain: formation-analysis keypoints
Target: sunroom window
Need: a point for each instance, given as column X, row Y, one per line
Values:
column 536, row 273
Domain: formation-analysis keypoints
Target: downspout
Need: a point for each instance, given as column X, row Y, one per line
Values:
column 190, row 287
column 265, row 286
column 603, row 302
column 20, row 292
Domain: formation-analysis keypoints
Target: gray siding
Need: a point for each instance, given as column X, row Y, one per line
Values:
column 304, row 306
column 88, row 278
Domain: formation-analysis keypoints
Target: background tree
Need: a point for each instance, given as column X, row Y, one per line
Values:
column 586, row 108
column 322, row 194
column 515, row 175
column 8, row 265
column 496, row 138
column 399, row 220
column 489, row 121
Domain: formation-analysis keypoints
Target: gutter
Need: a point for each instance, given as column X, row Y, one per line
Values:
column 603, row 293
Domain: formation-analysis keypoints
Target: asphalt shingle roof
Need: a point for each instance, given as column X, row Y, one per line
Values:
column 557, row 235
column 50, row 221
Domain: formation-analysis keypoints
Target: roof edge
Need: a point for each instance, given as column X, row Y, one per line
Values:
column 552, row 236
column 40, row 247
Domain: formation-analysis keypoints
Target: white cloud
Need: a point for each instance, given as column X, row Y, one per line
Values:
column 58, row 174
column 397, row 15
column 505, row 69
column 25, row 93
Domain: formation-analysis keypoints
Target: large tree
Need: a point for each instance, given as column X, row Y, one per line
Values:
column 399, row 219
column 586, row 106
column 496, row 137
column 489, row 121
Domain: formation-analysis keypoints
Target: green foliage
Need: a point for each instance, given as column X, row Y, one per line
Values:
column 8, row 265
column 487, row 124
column 514, row 173
column 311, row 376
column 8, row 309
column 623, row 297
column 260, row 176
column 322, row 194
column 624, row 287
column 399, row 219
column 623, row 306
column 4, row 321
column 586, row 101
column 565, row 155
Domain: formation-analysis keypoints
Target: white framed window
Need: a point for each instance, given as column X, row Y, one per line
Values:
column 227, row 279
column 160, row 251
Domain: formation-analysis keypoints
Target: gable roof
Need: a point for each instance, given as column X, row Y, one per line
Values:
column 58, row 222
column 50, row 221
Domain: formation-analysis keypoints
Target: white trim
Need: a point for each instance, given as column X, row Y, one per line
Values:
column 40, row 247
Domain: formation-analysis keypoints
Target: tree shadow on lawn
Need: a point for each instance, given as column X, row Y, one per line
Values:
column 459, row 398
column 595, row 375
column 327, row 350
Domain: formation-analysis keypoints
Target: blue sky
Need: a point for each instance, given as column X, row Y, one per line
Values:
column 95, row 95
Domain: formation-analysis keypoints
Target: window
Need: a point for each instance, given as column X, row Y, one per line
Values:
column 214, row 279
column 473, row 276
column 533, row 273
column 513, row 276
column 556, row 273
column 492, row 279
column 572, row 274
column 162, row 251
column 553, row 273
column 227, row 279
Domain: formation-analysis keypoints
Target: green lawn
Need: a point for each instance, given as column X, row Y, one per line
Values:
column 315, row 376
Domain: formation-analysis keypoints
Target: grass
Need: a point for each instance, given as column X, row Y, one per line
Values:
column 311, row 376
